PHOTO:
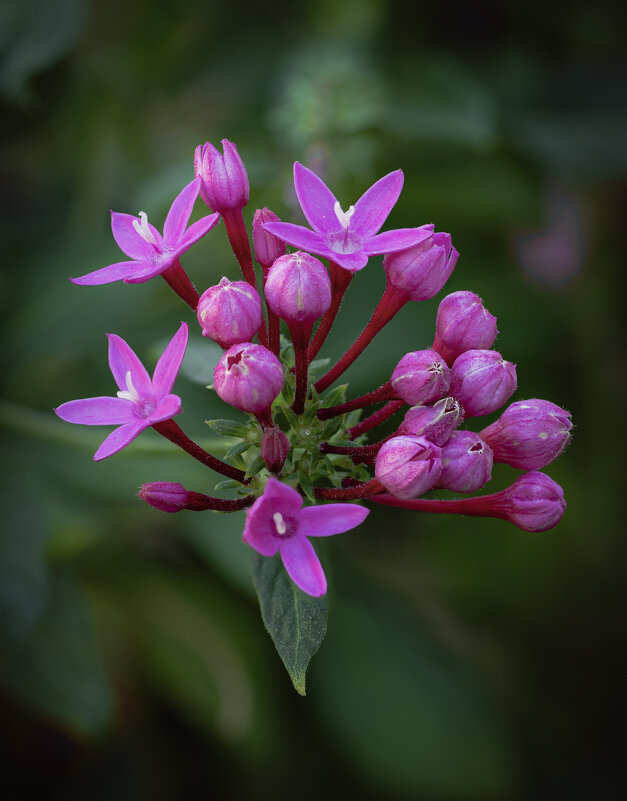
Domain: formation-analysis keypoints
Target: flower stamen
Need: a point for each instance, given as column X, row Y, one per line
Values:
column 343, row 216
column 143, row 230
column 130, row 393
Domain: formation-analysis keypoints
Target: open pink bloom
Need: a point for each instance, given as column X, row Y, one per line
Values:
column 347, row 238
column 277, row 522
column 150, row 253
column 140, row 403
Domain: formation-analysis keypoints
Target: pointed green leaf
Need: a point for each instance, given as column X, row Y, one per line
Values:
column 255, row 467
column 306, row 486
column 228, row 428
column 335, row 396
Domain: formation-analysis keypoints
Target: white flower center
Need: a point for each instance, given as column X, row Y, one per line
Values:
column 130, row 393
column 279, row 523
column 343, row 217
column 143, row 230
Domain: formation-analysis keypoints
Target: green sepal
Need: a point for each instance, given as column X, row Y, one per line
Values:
column 228, row 428
column 228, row 483
column 255, row 467
column 235, row 450
column 334, row 397
column 306, row 486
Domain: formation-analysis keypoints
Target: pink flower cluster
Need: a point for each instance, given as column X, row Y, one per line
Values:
column 294, row 445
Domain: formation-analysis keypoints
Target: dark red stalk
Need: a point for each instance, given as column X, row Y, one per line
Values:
column 358, row 453
column 274, row 322
column 238, row 237
column 340, row 279
column 301, row 334
column 376, row 418
column 172, row 431
column 198, row 502
column 365, row 490
column 265, row 418
column 178, row 280
column 483, row 506
column 391, row 302
column 384, row 393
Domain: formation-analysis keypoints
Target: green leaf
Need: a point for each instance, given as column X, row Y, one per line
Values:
column 236, row 450
column 332, row 427
column 291, row 418
column 228, row 483
column 296, row 622
column 255, row 467
column 228, row 428
column 318, row 365
column 306, row 486
column 335, row 396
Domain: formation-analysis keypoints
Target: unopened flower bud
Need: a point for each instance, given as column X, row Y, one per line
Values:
column 534, row 502
column 420, row 377
column 529, row 434
column 224, row 181
column 274, row 448
column 298, row 288
column 248, row 377
column 230, row 312
column 408, row 466
column 422, row 270
column 466, row 462
column 164, row 495
column 268, row 247
column 463, row 324
column 482, row 381
column 436, row 422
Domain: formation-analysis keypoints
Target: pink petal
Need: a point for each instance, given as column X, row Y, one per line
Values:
column 303, row 566
column 167, row 408
column 122, row 359
column 102, row 411
column 350, row 261
column 170, row 362
column 180, row 211
column 119, row 439
column 392, row 241
column 196, row 231
column 298, row 236
column 316, row 199
column 334, row 518
column 150, row 270
column 119, row 271
column 284, row 498
column 259, row 528
column 373, row 207
column 127, row 238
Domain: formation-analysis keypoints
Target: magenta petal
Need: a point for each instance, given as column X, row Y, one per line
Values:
column 303, row 565
column 334, row 518
column 258, row 529
column 196, row 231
column 150, row 270
column 284, row 498
column 392, row 241
column 373, row 207
column 119, row 271
column 180, row 211
column 102, row 411
column 170, row 362
column 119, row 439
column 350, row 261
column 122, row 359
column 127, row 238
column 298, row 236
column 167, row 408
column 316, row 199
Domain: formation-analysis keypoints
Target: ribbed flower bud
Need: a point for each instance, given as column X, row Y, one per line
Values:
column 436, row 423
column 229, row 312
column 274, row 448
column 420, row 377
column 466, row 462
column 298, row 288
column 529, row 434
column 408, row 466
column 421, row 271
column 224, row 181
column 164, row 495
column 248, row 377
column 268, row 247
column 463, row 324
column 482, row 381
column 534, row 502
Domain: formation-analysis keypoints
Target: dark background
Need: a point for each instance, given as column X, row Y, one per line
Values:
column 465, row 659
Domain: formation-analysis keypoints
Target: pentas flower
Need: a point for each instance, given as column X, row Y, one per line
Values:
column 150, row 252
column 276, row 522
column 141, row 401
column 349, row 237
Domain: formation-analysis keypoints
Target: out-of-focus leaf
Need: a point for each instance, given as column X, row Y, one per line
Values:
column 296, row 622
column 201, row 357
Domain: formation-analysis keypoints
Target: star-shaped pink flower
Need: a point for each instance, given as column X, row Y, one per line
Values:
column 140, row 403
column 150, row 252
column 277, row 522
column 346, row 237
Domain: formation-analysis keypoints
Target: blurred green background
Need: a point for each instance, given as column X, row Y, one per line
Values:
column 465, row 659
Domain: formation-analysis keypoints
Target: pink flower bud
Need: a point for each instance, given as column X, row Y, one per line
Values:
column 298, row 288
column 229, row 312
column 422, row 270
column 274, row 448
column 408, row 466
column 420, row 377
column 529, row 434
column 224, row 181
column 268, row 247
column 164, row 495
column 534, row 502
column 436, row 423
column 463, row 324
column 482, row 380
column 466, row 462
column 248, row 377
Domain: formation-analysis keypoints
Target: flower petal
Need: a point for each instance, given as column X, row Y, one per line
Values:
column 334, row 518
column 167, row 408
column 258, row 532
column 303, row 565
column 180, row 211
column 393, row 241
column 315, row 198
column 299, row 237
column 119, row 439
column 151, row 269
column 373, row 207
column 350, row 261
column 122, row 359
column 119, row 271
column 170, row 362
column 196, row 231
column 285, row 498
column 127, row 238
column 101, row 411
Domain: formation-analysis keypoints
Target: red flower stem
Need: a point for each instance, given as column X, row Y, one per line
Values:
column 178, row 280
column 483, row 506
column 198, row 502
column 340, row 279
column 238, row 237
column 172, row 431
column 384, row 393
column 274, row 323
column 350, row 493
column 443, row 351
column 358, row 453
column 391, row 302
column 301, row 334
column 376, row 418
column 265, row 418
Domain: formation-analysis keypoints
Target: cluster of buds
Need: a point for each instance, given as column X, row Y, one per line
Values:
column 300, row 460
